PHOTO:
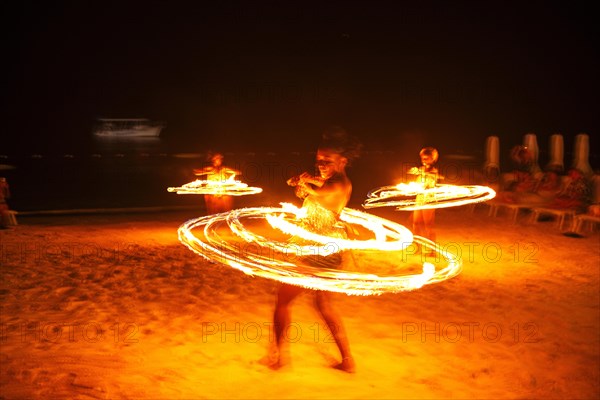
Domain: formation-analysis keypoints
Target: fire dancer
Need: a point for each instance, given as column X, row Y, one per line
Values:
column 427, row 174
column 324, row 197
column 217, row 172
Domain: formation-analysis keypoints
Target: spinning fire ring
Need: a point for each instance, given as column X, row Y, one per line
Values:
column 272, row 259
column 412, row 196
column 219, row 188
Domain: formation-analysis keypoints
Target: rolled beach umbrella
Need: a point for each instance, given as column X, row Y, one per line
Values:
column 557, row 151
column 581, row 154
column 492, row 152
column 530, row 141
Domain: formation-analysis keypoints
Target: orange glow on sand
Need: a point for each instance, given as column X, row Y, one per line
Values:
column 130, row 313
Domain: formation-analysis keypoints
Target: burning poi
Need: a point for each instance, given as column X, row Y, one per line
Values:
column 233, row 239
column 414, row 196
column 229, row 187
column 425, row 193
column 218, row 187
column 310, row 247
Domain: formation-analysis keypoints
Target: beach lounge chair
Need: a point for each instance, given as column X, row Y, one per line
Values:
column 562, row 216
column 580, row 221
column 512, row 209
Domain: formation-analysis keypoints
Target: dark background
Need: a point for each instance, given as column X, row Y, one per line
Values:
column 259, row 75
column 260, row 80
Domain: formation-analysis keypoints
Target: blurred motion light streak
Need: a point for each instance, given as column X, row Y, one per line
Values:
column 413, row 196
column 229, row 187
column 213, row 239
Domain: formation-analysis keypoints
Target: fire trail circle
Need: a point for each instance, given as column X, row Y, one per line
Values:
column 215, row 238
column 413, row 196
column 229, row 187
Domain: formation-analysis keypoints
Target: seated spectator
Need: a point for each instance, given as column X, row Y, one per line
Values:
column 576, row 194
column 546, row 190
column 550, row 183
column 523, row 181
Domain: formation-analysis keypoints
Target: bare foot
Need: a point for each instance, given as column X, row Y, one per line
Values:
column 347, row 365
column 274, row 361
column 271, row 364
column 271, row 360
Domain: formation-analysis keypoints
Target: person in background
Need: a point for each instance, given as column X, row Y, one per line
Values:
column 524, row 179
column 4, row 209
column 523, row 184
column 218, row 173
column 576, row 195
column 427, row 174
column 549, row 185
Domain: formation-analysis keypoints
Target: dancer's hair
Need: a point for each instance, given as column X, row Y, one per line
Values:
column 431, row 152
column 212, row 154
column 337, row 139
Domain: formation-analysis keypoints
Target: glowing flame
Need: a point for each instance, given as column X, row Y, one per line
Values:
column 277, row 259
column 413, row 196
column 381, row 228
column 229, row 186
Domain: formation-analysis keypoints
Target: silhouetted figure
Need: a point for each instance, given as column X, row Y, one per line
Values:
column 325, row 195
column 576, row 195
column 218, row 173
column 523, row 183
column 427, row 174
column 4, row 209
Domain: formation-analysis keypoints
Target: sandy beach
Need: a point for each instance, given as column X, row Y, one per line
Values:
column 115, row 307
column 111, row 104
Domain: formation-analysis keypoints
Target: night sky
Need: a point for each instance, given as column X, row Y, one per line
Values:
column 267, row 75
